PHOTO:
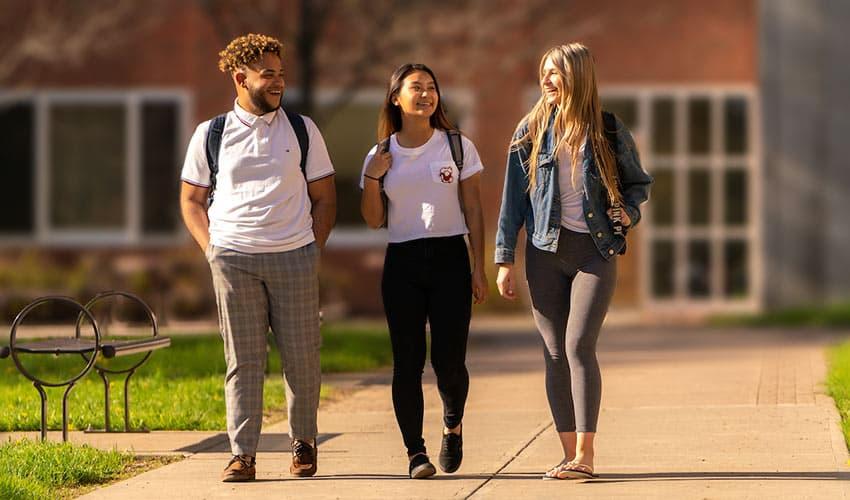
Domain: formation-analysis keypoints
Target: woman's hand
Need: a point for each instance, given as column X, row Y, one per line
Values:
column 480, row 288
column 505, row 281
column 379, row 164
column 624, row 216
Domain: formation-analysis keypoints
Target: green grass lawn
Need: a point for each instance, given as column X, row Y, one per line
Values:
column 838, row 384
column 35, row 470
column 179, row 388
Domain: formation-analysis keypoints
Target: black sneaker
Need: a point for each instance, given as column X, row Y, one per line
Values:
column 451, row 453
column 421, row 467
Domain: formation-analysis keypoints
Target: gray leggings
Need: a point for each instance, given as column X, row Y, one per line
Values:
column 570, row 294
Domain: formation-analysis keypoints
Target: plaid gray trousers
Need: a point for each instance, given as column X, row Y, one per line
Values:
column 255, row 292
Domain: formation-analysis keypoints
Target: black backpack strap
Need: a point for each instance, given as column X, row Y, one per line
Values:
column 609, row 122
column 383, row 147
column 456, row 146
column 213, row 145
column 300, row 129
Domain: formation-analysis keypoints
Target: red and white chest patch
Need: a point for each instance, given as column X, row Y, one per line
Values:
column 443, row 174
column 447, row 175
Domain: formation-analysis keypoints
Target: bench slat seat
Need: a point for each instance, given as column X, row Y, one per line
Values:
column 110, row 347
column 58, row 346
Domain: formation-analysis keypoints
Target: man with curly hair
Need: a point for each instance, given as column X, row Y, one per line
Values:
column 271, row 179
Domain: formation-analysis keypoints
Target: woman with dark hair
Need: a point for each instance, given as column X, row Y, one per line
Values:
column 426, row 190
column 574, row 180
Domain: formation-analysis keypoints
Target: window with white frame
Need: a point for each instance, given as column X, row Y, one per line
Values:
column 93, row 167
column 701, row 238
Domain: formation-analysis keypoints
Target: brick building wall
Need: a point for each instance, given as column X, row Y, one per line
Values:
column 489, row 50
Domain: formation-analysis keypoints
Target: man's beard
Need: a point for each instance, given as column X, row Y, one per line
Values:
column 259, row 101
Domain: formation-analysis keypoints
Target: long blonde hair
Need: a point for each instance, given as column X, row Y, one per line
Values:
column 576, row 116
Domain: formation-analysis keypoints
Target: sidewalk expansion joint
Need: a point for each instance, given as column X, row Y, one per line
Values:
column 540, row 430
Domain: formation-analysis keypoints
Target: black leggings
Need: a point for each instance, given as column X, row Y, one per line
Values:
column 427, row 279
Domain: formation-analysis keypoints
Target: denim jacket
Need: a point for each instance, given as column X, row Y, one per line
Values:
column 540, row 208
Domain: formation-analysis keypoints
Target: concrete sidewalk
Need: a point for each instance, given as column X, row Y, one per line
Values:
column 691, row 413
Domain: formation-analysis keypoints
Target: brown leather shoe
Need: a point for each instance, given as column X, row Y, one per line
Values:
column 241, row 468
column 303, row 459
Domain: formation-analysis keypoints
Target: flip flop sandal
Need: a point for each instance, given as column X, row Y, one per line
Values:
column 554, row 474
column 575, row 470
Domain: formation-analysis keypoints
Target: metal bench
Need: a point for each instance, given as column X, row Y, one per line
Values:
column 89, row 349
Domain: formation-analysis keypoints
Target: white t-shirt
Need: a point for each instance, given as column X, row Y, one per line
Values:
column 572, row 211
column 422, row 188
column 260, row 200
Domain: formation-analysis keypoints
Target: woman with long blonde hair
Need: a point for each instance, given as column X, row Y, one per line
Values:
column 574, row 180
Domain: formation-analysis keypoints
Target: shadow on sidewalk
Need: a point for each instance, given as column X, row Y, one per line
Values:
column 390, row 477
column 269, row 443
column 698, row 476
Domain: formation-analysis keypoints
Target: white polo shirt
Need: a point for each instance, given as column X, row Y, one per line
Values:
column 261, row 201
column 422, row 188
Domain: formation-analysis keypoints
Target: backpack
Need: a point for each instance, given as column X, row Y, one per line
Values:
column 213, row 144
